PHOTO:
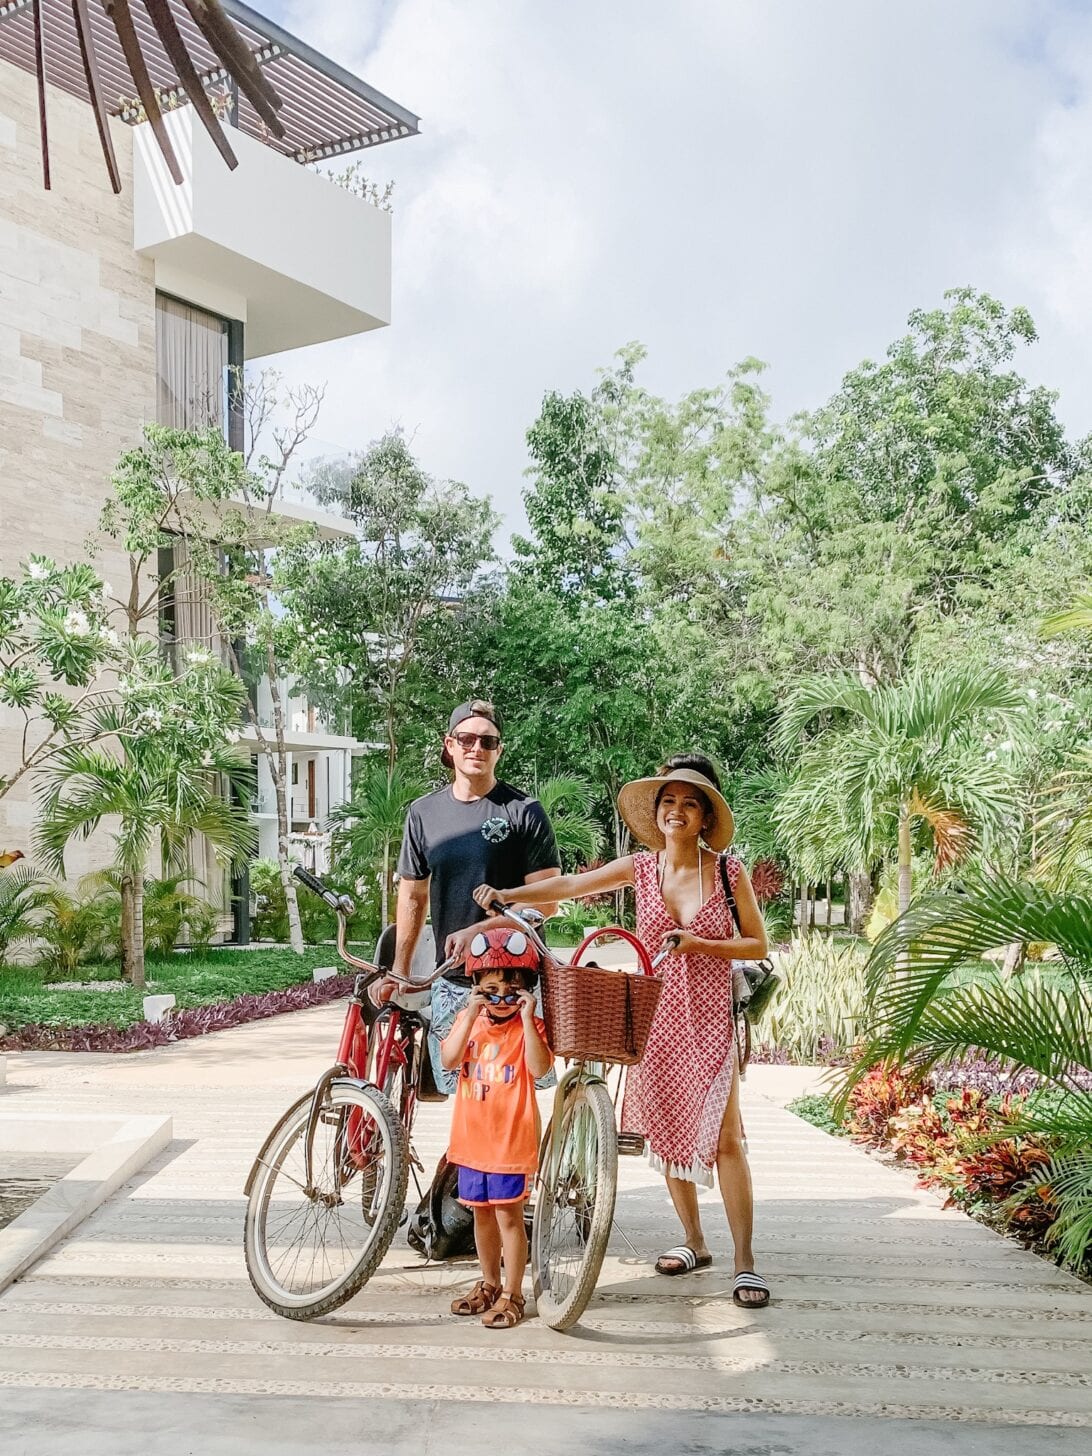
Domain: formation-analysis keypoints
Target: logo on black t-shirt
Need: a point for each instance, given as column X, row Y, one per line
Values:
column 496, row 831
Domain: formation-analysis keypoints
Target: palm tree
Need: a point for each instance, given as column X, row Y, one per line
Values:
column 568, row 802
column 155, row 790
column 944, row 1006
column 886, row 756
column 368, row 826
column 22, row 896
column 1076, row 618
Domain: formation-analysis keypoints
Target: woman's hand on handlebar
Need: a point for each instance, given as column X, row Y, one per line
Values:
column 487, row 898
column 681, row 942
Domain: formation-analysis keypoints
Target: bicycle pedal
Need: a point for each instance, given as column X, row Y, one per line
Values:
column 630, row 1144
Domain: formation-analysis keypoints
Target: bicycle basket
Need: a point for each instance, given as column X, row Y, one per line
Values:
column 599, row 1015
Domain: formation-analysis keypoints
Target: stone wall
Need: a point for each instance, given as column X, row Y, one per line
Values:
column 77, row 356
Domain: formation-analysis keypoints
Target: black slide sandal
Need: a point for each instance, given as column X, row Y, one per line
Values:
column 748, row 1279
column 685, row 1258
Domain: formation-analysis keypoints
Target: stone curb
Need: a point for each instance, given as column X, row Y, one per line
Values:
column 128, row 1145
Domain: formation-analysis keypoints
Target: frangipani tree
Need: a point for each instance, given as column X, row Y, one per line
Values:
column 883, row 757
column 55, row 643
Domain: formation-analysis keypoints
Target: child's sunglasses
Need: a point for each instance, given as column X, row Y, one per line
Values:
column 508, row 999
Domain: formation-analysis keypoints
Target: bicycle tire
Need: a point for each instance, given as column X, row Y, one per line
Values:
column 344, row 1096
column 562, row 1297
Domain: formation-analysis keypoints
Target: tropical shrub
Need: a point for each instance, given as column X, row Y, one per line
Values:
column 819, row 1005
column 570, row 802
column 167, row 907
column 931, row 1000
column 877, row 1099
column 22, row 895
column 79, row 926
column 574, row 917
column 202, row 922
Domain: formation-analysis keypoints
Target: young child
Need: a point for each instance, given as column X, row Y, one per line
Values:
column 498, row 1046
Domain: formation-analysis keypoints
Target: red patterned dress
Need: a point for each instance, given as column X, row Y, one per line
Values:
column 677, row 1094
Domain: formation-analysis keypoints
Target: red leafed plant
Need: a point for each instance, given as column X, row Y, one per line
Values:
column 878, row 1098
column 767, row 880
column 957, row 1147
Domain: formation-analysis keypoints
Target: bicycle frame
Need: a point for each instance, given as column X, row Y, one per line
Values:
column 353, row 1048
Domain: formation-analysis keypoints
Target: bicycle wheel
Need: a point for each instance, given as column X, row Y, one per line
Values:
column 309, row 1249
column 574, row 1209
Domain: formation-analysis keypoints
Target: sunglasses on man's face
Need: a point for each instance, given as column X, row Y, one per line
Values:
column 508, row 999
column 466, row 741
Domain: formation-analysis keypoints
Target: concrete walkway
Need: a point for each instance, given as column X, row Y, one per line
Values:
column 896, row 1325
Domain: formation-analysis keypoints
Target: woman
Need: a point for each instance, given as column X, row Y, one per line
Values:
column 684, row 1095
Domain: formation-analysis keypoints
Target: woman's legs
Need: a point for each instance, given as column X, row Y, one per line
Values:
column 734, row 1175
column 684, row 1195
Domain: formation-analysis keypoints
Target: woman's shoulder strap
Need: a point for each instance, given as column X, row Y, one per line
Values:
column 729, row 866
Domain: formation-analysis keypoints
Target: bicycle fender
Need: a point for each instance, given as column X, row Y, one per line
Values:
column 273, row 1131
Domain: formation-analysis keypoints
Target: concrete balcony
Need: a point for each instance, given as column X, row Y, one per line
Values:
column 298, row 259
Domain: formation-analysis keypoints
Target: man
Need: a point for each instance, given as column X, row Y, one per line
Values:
column 476, row 831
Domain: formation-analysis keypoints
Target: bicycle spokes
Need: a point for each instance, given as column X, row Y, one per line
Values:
column 313, row 1233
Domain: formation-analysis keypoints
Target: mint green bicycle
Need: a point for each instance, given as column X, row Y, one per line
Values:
column 577, row 1182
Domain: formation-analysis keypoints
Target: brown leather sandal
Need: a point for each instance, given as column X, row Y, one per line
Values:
column 481, row 1298
column 506, row 1313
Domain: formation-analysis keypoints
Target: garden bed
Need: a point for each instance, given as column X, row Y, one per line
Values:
column 222, row 989
column 959, row 1134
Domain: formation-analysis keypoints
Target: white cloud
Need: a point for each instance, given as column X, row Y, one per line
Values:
column 714, row 177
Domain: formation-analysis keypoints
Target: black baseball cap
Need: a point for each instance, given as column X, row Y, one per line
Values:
column 473, row 708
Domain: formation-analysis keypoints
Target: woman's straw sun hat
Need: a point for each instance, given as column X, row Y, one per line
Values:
column 637, row 806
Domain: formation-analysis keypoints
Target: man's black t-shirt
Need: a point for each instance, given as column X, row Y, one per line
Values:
column 497, row 840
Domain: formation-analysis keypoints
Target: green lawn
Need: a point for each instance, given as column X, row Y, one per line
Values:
column 27, row 997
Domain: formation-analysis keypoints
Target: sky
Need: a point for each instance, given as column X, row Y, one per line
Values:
column 785, row 179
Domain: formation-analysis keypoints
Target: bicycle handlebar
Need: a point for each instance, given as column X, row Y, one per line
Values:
column 343, row 904
column 540, row 945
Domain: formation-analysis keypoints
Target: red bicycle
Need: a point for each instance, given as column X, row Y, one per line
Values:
column 327, row 1191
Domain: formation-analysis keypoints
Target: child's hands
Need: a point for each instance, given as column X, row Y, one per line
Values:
column 527, row 1005
column 476, row 1003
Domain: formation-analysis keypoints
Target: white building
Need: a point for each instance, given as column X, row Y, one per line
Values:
column 119, row 310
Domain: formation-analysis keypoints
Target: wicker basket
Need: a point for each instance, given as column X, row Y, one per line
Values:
column 599, row 1015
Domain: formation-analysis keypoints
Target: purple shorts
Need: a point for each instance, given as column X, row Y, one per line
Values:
column 481, row 1189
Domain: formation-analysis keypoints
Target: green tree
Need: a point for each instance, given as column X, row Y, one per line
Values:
column 883, row 758
column 161, row 769
column 899, row 502
column 362, row 605
column 368, row 826
column 575, row 509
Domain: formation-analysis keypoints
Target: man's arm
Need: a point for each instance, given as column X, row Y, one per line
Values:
column 409, row 918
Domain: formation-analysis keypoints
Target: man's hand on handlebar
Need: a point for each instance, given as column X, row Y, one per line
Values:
column 457, row 945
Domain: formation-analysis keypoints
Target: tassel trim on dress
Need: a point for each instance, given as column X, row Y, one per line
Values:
column 696, row 1173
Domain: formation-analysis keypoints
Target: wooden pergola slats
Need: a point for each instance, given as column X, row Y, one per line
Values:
column 149, row 55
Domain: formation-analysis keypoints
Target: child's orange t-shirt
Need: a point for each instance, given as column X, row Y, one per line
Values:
column 494, row 1128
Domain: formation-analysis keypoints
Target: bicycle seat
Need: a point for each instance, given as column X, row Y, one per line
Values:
column 421, row 967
